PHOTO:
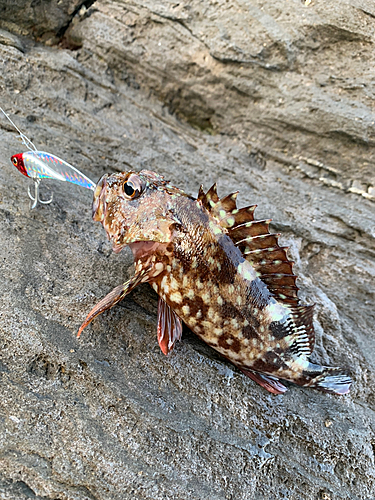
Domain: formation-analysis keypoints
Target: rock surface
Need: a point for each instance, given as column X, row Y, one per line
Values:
column 198, row 91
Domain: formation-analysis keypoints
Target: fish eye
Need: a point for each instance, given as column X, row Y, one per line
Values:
column 15, row 162
column 129, row 189
column 133, row 187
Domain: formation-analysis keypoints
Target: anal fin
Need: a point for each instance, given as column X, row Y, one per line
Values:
column 270, row 383
column 169, row 327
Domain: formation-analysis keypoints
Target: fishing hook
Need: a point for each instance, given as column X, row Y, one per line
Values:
column 36, row 196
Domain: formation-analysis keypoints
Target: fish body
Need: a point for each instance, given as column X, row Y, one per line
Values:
column 217, row 270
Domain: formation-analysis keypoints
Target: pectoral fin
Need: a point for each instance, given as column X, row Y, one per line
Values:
column 169, row 327
column 115, row 296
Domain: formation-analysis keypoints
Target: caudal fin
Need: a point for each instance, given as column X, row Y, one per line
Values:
column 331, row 380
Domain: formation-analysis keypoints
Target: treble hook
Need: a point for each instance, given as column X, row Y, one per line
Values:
column 36, row 196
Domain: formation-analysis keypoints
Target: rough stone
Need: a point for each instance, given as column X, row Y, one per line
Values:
column 191, row 90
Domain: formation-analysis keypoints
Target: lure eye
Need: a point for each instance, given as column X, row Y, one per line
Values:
column 133, row 187
column 15, row 162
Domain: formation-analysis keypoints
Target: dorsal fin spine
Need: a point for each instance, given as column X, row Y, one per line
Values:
column 257, row 244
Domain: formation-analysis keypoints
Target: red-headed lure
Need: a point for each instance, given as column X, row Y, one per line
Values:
column 39, row 165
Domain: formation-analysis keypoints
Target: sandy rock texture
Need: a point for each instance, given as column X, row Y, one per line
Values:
column 275, row 99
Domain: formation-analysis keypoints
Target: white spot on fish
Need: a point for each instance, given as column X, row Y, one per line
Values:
column 276, row 311
column 176, row 297
column 206, row 324
column 234, row 323
column 217, row 318
column 186, row 310
column 212, row 341
column 174, row 283
column 164, row 286
column 220, row 300
column 158, row 268
column 246, row 271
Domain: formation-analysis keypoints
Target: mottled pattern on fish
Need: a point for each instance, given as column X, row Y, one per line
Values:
column 219, row 271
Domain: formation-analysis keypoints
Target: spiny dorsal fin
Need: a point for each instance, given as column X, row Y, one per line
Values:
column 225, row 209
column 236, row 216
column 210, row 198
column 229, row 203
column 261, row 249
column 201, row 194
column 240, row 233
column 260, row 241
column 280, row 280
column 243, row 215
column 257, row 244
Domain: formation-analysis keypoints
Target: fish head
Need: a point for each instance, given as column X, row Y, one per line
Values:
column 17, row 161
column 135, row 207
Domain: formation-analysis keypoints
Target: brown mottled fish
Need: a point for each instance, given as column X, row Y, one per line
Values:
column 219, row 271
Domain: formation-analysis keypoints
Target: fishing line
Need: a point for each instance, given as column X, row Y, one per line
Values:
column 25, row 140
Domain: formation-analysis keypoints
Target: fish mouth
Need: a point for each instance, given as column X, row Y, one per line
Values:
column 99, row 203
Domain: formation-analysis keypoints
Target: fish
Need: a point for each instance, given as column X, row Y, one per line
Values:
column 219, row 271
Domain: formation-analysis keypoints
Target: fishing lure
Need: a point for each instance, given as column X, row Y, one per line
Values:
column 37, row 165
column 219, row 271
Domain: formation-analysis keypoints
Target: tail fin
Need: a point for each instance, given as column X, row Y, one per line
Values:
column 331, row 380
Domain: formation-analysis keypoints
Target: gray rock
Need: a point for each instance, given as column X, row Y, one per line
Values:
column 45, row 21
column 108, row 416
